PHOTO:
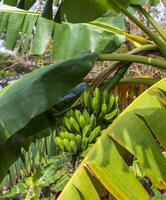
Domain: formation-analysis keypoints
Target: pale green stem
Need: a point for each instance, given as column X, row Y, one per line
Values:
column 115, row 64
column 137, row 80
column 161, row 45
column 134, row 59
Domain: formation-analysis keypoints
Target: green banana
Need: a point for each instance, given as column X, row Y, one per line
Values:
column 73, row 147
column 85, row 131
column 78, row 141
column 116, row 102
column 62, row 134
column 105, row 97
column 84, row 143
column 103, row 109
column 67, row 145
column 59, row 142
column 63, row 129
column 74, row 125
column 92, row 122
column 109, row 117
column 94, row 105
column 82, row 122
column 87, row 98
column 71, row 136
column 67, row 124
column 111, row 103
column 96, row 101
column 86, row 95
column 86, row 116
column 77, row 115
column 94, row 134
column 70, row 113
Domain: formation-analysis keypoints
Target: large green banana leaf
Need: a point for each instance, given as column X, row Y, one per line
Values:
column 88, row 10
column 24, row 104
column 68, row 39
column 141, row 130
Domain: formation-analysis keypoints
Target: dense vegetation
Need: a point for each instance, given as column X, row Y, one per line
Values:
column 64, row 139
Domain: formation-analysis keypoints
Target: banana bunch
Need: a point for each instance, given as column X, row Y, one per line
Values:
column 103, row 105
column 82, row 128
column 78, row 132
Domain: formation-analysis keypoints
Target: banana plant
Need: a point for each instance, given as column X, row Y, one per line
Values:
column 139, row 131
column 76, row 38
column 26, row 104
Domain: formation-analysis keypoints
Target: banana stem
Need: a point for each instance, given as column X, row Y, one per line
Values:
column 133, row 58
column 115, row 65
column 155, row 25
column 144, row 81
column 161, row 45
column 119, row 74
column 112, row 67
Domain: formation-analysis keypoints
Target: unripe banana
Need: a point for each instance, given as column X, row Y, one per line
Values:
column 85, row 131
column 87, row 99
column 109, row 117
column 103, row 109
column 62, row 134
column 63, row 129
column 97, row 131
column 72, row 136
column 86, row 95
column 96, row 101
column 66, row 135
column 82, row 122
column 84, row 143
column 59, row 142
column 77, row 115
column 86, row 116
column 94, row 105
column 70, row 113
column 105, row 97
column 94, row 134
column 116, row 102
column 74, row 125
column 111, row 103
column 78, row 141
column 67, row 145
column 73, row 147
column 67, row 124
column 92, row 122
column 97, row 96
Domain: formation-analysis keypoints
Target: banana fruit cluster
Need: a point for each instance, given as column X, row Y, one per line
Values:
column 78, row 132
column 103, row 105
column 81, row 128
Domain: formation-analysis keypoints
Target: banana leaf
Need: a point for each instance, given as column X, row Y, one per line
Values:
column 88, row 10
column 24, row 104
column 22, row 27
column 140, row 129
column 76, row 37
